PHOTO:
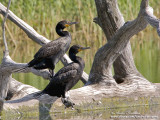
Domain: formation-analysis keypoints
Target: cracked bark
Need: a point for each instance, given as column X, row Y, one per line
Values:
column 33, row 35
column 118, row 40
column 111, row 20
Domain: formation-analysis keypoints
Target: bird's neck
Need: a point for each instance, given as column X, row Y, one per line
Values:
column 73, row 57
column 60, row 32
column 76, row 59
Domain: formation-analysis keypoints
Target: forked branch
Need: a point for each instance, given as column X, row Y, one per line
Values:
column 3, row 28
column 33, row 35
column 107, row 54
column 110, row 52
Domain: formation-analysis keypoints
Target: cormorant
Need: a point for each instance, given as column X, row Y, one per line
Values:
column 49, row 54
column 66, row 77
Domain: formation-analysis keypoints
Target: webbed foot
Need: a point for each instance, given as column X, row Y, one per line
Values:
column 67, row 102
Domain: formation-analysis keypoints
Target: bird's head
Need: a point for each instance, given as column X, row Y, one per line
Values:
column 77, row 48
column 63, row 24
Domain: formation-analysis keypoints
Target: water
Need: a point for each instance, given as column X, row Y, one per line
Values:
column 145, row 47
column 120, row 114
column 41, row 16
column 111, row 108
column 146, row 53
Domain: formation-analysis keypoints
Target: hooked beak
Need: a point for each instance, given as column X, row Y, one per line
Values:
column 83, row 48
column 71, row 23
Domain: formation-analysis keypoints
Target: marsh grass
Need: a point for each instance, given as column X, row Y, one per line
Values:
column 43, row 15
column 101, row 109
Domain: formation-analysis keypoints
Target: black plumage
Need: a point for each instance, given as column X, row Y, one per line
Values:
column 49, row 54
column 68, row 76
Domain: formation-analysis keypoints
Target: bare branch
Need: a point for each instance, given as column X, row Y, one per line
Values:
column 152, row 20
column 96, row 20
column 85, row 94
column 144, row 4
column 18, row 89
column 136, row 86
column 32, row 34
column 110, row 20
column 3, row 27
column 107, row 54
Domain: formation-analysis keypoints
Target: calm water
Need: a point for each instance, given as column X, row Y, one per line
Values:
column 112, row 108
column 43, row 16
column 110, row 114
column 145, row 47
column 146, row 54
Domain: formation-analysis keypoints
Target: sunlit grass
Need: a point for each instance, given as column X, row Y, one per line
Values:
column 43, row 16
column 97, row 109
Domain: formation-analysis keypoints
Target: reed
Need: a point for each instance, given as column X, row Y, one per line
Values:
column 43, row 15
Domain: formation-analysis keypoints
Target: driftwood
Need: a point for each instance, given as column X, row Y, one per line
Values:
column 118, row 49
column 101, row 82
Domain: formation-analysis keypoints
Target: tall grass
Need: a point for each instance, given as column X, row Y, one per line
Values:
column 43, row 16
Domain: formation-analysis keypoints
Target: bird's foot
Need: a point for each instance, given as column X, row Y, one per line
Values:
column 67, row 102
column 52, row 75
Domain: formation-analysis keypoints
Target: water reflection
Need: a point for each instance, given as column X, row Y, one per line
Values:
column 111, row 109
column 44, row 110
column 138, row 113
column 146, row 53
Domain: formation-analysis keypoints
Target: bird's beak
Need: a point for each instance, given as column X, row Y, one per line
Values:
column 83, row 48
column 71, row 23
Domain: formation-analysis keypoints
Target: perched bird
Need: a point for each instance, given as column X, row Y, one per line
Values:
column 49, row 54
column 67, row 77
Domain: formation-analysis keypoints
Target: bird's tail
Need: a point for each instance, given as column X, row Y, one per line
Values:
column 30, row 64
column 38, row 94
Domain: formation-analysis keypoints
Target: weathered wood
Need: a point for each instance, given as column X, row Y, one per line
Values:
column 33, row 35
column 18, row 90
column 1, row 105
column 4, row 79
column 110, row 20
column 8, row 66
column 106, row 86
column 3, row 26
column 107, row 54
column 135, row 89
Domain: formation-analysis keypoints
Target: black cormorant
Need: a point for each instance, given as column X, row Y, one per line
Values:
column 68, row 76
column 49, row 54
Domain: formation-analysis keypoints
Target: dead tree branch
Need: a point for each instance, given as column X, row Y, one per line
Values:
column 136, row 86
column 3, row 27
column 33, row 35
column 107, row 54
column 152, row 20
column 110, row 20
column 6, row 54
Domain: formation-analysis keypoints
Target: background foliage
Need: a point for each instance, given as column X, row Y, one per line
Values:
column 43, row 16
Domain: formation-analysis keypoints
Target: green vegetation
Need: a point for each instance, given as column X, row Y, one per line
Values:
column 43, row 15
column 104, row 109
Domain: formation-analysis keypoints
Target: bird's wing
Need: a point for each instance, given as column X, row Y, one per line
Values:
column 50, row 49
column 66, row 74
column 57, row 85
